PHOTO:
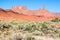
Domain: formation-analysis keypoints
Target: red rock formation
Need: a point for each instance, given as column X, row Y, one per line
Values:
column 20, row 13
column 58, row 14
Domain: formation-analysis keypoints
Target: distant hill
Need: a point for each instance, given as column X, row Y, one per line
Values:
column 21, row 13
column 58, row 14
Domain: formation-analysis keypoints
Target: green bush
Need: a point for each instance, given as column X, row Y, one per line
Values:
column 55, row 20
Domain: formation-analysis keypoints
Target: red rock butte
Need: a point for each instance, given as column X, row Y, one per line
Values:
column 21, row 13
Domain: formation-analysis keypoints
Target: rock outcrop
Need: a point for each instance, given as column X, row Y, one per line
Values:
column 21, row 13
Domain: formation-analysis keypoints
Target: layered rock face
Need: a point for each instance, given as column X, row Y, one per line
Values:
column 58, row 14
column 21, row 13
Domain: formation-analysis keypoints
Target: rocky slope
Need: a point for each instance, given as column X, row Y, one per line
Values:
column 21, row 13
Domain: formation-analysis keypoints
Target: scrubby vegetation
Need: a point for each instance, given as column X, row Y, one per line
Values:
column 28, row 30
column 55, row 20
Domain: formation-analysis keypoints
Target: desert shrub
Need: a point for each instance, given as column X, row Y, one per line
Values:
column 37, row 33
column 5, row 25
column 28, row 27
column 30, row 38
column 55, row 20
column 21, row 26
column 18, row 37
column 14, row 22
column 31, row 27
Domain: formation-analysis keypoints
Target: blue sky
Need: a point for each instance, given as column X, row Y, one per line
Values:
column 51, row 5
